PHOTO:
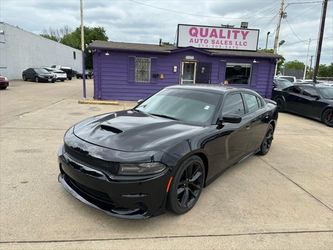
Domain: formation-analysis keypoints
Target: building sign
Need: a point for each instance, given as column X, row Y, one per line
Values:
column 211, row 37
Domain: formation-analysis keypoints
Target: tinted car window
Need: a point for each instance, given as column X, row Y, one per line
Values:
column 326, row 92
column 252, row 102
column 309, row 91
column 233, row 105
column 182, row 104
column 294, row 89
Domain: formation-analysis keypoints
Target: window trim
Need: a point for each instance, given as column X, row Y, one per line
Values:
column 240, row 64
column 223, row 102
column 149, row 69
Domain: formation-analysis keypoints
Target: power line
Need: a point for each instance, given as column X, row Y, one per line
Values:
column 292, row 30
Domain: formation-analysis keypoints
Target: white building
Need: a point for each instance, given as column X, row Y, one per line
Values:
column 20, row 49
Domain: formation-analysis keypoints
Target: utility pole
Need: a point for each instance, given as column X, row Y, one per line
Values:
column 277, row 32
column 306, row 60
column 320, row 39
column 82, row 49
column 311, row 57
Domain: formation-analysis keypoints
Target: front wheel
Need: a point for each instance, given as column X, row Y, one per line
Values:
column 267, row 142
column 327, row 117
column 187, row 185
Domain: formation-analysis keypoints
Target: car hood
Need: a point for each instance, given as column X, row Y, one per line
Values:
column 133, row 131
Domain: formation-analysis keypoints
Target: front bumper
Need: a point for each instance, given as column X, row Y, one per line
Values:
column 125, row 198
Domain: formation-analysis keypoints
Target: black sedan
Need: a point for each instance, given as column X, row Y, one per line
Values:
column 38, row 75
column 135, row 163
column 311, row 100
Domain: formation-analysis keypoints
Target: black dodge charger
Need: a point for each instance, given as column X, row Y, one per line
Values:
column 136, row 163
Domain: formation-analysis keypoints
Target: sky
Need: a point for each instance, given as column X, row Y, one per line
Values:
column 146, row 21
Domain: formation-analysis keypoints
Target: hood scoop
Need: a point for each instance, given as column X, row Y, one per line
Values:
column 110, row 128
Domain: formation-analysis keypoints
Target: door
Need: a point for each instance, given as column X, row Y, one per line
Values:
column 292, row 95
column 258, row 124
column 188, row 73
column 203, row 72
column 309, row 105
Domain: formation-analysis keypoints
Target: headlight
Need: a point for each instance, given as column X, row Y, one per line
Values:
column 141, row 168
column 6, row 79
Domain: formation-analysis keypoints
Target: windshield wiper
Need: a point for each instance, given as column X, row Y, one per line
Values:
column 164, row 116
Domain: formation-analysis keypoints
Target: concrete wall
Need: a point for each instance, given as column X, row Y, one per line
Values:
column 20, row 50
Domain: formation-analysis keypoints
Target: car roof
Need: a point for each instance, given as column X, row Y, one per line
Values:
column 216, row 88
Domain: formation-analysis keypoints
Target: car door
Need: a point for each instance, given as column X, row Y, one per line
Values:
column 258, row 120
column 237, row 139
column 291, row 96
column 309, row 104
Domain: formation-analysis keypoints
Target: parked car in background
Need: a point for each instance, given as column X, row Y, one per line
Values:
column 313, row 101
column 59, row 74
column 3, row 82
column 69, row 71
column 38, row 75
column 135, row 163
column 88, row 73
column 280, row 83
column 289, row 78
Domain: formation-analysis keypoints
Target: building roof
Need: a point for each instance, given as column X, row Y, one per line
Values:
column 142, row 47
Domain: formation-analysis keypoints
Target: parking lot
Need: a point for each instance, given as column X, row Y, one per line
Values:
column 283, row 200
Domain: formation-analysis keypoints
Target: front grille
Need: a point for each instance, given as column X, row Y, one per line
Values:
column 88, row 191
column 84, row 157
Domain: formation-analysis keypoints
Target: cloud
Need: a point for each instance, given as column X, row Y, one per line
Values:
column 148, row 20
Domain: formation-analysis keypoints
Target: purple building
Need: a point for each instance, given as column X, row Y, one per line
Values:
column 130, row 71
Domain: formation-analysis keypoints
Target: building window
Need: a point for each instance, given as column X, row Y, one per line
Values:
column 238, row 73
column 74, row 55
column 142, row 69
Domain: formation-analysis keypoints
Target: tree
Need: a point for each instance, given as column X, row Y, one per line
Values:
column 73, row 39
column 56, row 34
column 294, row 65
column 325, row 70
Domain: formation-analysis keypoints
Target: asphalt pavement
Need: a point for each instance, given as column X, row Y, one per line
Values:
column 283, row 200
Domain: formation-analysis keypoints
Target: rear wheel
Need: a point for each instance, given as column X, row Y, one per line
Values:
column 327, row 117
column 187, row 185
column 280, row 104
column 267, row 142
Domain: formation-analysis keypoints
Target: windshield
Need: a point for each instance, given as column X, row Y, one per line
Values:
column 282, row 83
column 186, row 105
column 289, row 78
column 326, row 92
column 41, row 71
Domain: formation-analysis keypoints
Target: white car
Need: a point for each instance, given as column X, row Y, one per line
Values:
column 59, row 74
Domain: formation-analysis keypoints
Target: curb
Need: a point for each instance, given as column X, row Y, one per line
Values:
column 101, row 102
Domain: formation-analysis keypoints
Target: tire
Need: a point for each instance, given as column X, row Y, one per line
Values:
column 53, row 81
column 24, row 78
column 267, row 142
column 62, row 80
column 3, row 88
column 327, row 117
column 69, row 78
column 187, row 185
column 280, row 104
column 36, row 79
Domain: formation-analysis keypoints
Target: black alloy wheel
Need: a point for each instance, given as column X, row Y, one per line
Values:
column 280, row 104
column 187, row 185
column 328, row 117
column 36, row 79
column 267, row 142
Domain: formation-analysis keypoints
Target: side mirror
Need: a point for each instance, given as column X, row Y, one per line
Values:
column 232, row 118
column 140, row 101
column 316, row 97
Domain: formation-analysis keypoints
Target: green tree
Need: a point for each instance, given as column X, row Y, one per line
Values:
column 49, row 37
column 294, row 65
column 73, row 39
column 325, row 70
